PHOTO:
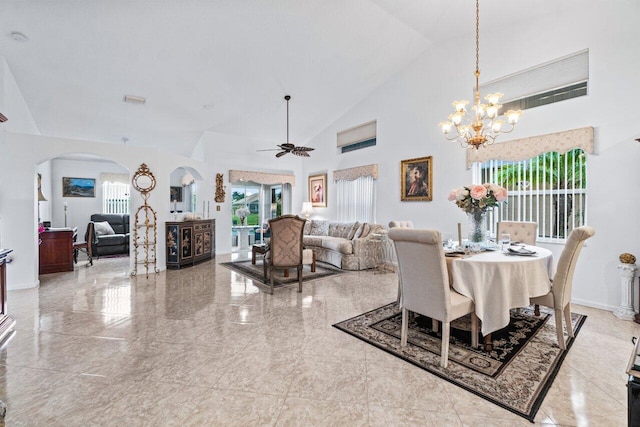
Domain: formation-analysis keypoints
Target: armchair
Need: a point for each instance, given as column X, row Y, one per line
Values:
column 285, row 247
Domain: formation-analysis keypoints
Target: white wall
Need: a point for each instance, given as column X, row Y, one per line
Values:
column 12, row 103
column 409, row 107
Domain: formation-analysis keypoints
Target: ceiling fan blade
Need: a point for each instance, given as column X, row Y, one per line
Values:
column 303, row 149
column 300, row 153
column 282, row 153
column 269, row 149
column 287, row 146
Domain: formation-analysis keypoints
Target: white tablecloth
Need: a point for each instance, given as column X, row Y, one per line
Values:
column 497, row 282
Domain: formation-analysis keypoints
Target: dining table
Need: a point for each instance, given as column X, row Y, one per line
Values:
column 498, row 281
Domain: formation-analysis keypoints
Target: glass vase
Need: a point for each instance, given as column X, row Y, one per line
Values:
column 478, row 227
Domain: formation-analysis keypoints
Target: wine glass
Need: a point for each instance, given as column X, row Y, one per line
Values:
column 447, row 239
column 505, row 241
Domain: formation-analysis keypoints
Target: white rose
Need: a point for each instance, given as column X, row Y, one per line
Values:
column 461, row 193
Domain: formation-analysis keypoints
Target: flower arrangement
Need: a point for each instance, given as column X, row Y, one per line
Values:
column 242, row 212
column 478, row 198
column 475, row 200
column 41, row 230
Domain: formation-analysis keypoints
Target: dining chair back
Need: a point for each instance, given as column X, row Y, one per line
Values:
column 520, row 231
column 285, row 248
column 84, row 246
column 401, row 224
column 425, row 284
column 559, row 297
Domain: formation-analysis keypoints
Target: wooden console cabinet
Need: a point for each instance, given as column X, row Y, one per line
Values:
column 190, row 242
column 56, row 251
column 6, row 322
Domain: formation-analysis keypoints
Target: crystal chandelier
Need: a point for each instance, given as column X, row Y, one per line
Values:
column 485, row 124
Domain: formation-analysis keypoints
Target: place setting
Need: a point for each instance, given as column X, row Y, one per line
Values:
column 510, row 248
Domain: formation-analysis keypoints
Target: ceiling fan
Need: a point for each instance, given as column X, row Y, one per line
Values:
column 289, row 147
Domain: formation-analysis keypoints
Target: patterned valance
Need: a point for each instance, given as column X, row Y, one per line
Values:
column 122, row 178
column 355, row 173
column 526, row 148
column 261, row 177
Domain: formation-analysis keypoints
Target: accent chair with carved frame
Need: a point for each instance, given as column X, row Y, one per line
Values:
column 285, row 247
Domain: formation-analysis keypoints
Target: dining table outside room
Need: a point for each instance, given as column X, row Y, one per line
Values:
column 498, row 281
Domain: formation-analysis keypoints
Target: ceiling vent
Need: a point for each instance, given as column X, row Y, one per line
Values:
column 134, row 99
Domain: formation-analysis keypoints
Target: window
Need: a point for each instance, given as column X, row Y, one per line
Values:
column 115, row 198
column 358, row 137
column 356, row 199
column 246, row 195
column 356, row 193
column 549, row 189
column 557, row 80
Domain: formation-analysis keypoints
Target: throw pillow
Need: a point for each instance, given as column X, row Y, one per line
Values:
column 307, row 227
column 366, row 228
column 103, row 228
column 353, row 230
column 320, row 228
column 339, row 229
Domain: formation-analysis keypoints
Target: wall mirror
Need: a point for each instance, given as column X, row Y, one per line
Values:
column 183, row 190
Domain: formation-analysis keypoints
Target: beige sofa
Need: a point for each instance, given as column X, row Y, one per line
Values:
column 350, row 245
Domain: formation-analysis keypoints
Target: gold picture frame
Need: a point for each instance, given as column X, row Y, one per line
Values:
column 416, row 179
column 318, row 190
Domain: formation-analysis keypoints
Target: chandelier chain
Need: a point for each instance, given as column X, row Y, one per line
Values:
column 484, row 125
column 477, row 46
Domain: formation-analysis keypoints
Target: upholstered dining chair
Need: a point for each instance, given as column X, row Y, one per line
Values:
column 425, row 285
column 285, row 248
column 520, row 231
column 559, row 297
column 401, row 224
column 83, row 246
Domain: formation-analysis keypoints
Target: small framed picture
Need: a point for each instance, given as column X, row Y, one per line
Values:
column 78, row 187
column 416, row 182
column 176, row 194
column 318, row 190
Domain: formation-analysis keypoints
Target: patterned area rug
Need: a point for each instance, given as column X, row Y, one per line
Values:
column 255, row 272
column 515, row 375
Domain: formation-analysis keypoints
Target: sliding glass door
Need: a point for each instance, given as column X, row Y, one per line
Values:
column 256, row 203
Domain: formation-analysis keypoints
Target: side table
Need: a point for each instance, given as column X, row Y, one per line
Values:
column 258, row 249
column 384, row 253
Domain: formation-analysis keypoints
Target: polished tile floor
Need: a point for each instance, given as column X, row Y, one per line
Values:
column 204, row 346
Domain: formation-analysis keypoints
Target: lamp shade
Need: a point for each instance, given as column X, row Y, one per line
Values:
column 187, row 179
column 307, row 209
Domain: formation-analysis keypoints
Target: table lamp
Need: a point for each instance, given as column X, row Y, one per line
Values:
column 307, row 209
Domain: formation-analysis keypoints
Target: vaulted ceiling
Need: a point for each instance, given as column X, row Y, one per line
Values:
column 222, row 66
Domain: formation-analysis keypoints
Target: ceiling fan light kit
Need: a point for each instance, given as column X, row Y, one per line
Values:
column 289, row 147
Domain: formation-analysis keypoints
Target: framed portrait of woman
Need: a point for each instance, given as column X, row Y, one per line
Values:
column 416, row 179
column 318, row 190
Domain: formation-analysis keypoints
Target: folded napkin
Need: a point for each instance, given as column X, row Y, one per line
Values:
column 521, row 251
column 454, row 253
